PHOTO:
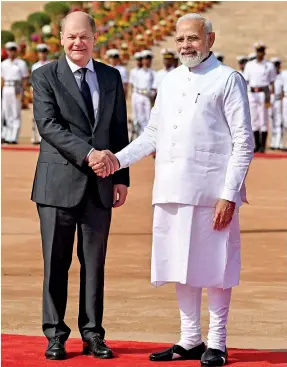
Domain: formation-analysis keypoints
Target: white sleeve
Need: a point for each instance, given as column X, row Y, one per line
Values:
column 125, row 76
column 154, row 86
column 246, row 73
column 131, row 78
column 237, row 114
column 145, row 144
column 272, row 74
column 24, row 69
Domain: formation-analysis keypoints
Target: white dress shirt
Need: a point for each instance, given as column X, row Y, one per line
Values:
column 284, row 80
column 14, row 70
column 91, row 78
column 124, row 73
column 133, row 76
column 278, row 85
column 145, row 79
column 259, row 74
column 201, row 131
column 160, row 75
column 38, row 64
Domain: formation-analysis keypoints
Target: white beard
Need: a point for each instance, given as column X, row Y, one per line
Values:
column 192, row 61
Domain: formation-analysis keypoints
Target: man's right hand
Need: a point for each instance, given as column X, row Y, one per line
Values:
column 103, row 163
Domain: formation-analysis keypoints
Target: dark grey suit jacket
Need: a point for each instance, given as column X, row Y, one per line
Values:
column 68, row 135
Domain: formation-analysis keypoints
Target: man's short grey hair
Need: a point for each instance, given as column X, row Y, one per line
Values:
column 194, row 16
column 90, row 20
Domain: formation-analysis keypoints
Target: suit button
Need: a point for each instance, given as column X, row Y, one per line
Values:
column 175, row 126
column 179, row 111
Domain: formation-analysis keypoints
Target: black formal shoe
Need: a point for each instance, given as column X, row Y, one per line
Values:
column 190, row 354
column 56, row 349
column 96, row 346
column 214, row 357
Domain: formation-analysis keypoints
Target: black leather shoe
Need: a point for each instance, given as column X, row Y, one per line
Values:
column 214, row 357
column 96, row 346
column 190, row 354
column 56, row 349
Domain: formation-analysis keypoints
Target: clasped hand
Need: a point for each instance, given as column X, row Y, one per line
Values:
column 103, row 163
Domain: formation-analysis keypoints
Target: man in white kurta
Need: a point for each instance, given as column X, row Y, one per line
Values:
column 201, row 132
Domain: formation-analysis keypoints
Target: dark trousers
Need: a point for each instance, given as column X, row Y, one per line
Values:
column 58, row 227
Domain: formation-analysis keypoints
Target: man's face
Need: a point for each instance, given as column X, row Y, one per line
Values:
column 43, row 55
column 192, row 42
column 260, row 54
column 113, row 61
column 12, row 53
column 78, row 40
column 242, row 64
column 139, row 63
column 147, row 62
column 168, row 63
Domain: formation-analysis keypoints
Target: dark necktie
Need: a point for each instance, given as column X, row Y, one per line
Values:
column 86, row 93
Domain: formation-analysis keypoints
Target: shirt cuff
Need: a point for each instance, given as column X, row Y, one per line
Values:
column 123, row 160
column 87, row 156
column 230, row 195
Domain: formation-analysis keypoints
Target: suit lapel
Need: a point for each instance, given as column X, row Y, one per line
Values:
column 102, row 80
column 67, row 78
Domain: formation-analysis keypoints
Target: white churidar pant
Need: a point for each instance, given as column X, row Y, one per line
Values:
column 189, row 302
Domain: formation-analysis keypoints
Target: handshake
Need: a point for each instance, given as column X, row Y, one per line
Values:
column 103, row 163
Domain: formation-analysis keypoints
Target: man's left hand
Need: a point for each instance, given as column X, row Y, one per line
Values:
column 120, row 195
column 224, row 210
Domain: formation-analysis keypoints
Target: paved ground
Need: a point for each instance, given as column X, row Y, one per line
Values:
column 134, row 310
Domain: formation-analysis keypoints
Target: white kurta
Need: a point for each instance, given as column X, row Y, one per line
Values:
column 201, row 132
column 186, row 249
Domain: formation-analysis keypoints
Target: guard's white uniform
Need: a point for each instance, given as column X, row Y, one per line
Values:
column 132, row 82
column 124, row 73
column 204, row 144
column 276, row 113
column 160, row 75
column 36, row 138
column 259, row 75
column 144, row 83
column 12, row 72
column 284, row 80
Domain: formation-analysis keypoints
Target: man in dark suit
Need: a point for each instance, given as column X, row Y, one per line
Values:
column 80, row 111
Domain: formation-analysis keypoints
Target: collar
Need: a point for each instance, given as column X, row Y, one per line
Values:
column 208, row 63
column 74, row 67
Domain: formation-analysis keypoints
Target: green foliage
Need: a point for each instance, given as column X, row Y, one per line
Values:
column 39, row 19
column 22, row 28
column 57, row 8
column 6, row 36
